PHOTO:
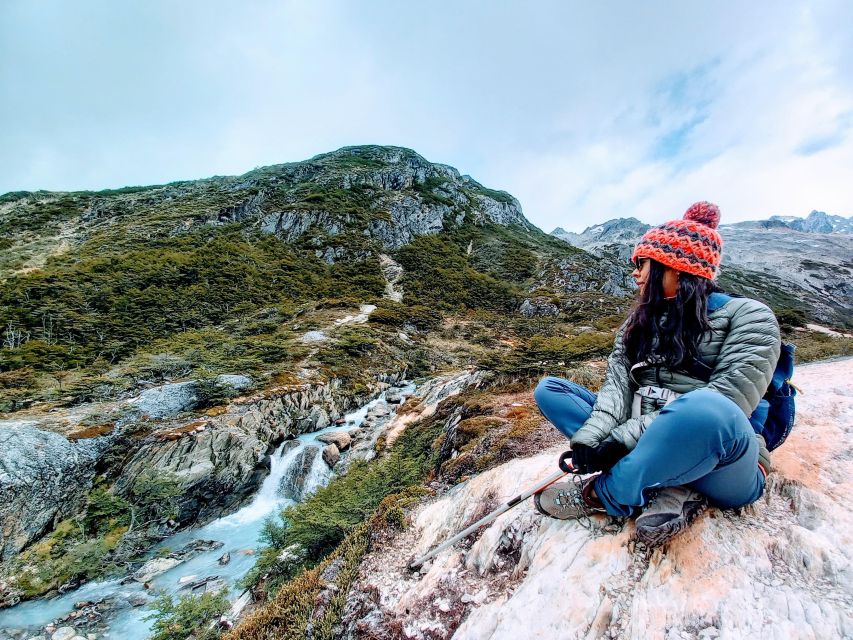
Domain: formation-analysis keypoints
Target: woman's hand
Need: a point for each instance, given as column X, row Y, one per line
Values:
column 586, row 459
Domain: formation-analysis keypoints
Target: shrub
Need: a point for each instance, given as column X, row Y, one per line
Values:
column 210, row 393
column 189, row 616
column 395, row 314
column 105, row 511
column 154, row 496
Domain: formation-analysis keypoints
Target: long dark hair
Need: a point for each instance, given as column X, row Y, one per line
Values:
column 668, row 331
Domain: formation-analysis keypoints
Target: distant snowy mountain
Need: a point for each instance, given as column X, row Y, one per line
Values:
column 815, row 222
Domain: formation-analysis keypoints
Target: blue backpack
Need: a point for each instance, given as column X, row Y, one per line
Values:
column 773, row 418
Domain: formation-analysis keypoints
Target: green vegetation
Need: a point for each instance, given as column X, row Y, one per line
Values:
column 437, row 274
column 289, row 611
column 103, row 540
column 189, row 616
column 812, row 345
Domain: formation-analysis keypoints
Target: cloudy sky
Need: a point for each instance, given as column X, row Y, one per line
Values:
column 584, row 111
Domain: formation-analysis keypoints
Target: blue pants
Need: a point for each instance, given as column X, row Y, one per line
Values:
column 702, row 440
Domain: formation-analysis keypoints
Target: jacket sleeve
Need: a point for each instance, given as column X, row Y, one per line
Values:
column 613, row 404
column 748, row 356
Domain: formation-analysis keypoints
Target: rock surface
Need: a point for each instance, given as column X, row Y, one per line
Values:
column 780, row 568
column 331, row 455
column 167, row 400
column 341, row 439
column 43, row 478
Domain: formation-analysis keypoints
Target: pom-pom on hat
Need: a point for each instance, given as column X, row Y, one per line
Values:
column 691, row 245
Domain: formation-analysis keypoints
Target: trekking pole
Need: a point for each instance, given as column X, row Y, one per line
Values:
column 565, row 469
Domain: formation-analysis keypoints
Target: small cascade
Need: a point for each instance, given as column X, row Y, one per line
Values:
column 318, row 476
column 293, row 482
column 267, row 497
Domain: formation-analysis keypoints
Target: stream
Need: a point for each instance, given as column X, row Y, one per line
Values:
column 238, row 532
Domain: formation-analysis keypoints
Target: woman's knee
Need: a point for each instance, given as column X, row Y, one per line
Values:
column 547, row 388
column 710, row 410
column 706, row 419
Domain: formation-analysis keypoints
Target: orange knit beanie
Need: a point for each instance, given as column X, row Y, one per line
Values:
column 691, row 245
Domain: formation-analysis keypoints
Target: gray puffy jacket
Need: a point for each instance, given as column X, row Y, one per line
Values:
column 742, row 349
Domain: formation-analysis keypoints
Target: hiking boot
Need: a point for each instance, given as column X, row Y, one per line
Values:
column 569, row 500
column 670, row 511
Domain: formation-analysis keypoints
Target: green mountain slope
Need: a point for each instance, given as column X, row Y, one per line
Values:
column 219, row 275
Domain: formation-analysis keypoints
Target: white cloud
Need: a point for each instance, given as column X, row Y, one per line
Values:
column 583, row 111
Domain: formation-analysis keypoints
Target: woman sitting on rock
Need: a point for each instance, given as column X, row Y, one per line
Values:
column 669, row 429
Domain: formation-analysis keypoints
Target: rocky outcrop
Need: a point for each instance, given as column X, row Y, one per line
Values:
column 412, row 197
column 43, row 478
column 220, row 466
column 583, row 272
column 537, row 307
column 781, row 568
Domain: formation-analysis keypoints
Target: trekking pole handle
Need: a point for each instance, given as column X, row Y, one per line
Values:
column 565, row 462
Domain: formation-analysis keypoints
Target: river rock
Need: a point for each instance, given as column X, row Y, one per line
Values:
column 380, row 409
column 138, row 599
column 393, row 397
column 292, row 485
column 64, row 633
column 43, row 479
column 224, row 559
column 155, row 567
column 341, row 439
column 331, row 455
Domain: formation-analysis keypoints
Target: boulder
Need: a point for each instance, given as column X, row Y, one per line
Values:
column 43, row 479
column 168, row 400
column 380, row 409
column 341, row 439
column 224, row 559
column 154, row 568
column 331, row 455
column 236, row 382
column 64, row 633
column 157, row 566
